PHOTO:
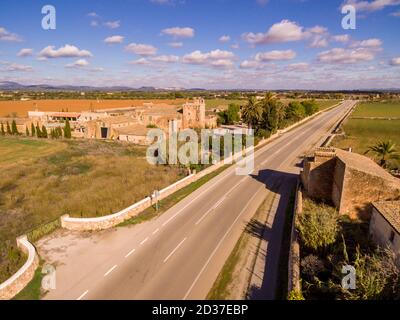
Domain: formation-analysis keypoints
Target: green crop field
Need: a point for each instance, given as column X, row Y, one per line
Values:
column 222, row 103
column 41, row 180
column 363, row 133
column 378, row 109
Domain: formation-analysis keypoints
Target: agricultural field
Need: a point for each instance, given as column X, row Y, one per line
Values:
column 21, row 108
column 378, row 109
column 47, row 179
column 362, row 133
column 223, row 103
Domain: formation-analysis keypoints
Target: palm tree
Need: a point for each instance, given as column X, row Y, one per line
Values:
column 251, row 113
column 385, row 150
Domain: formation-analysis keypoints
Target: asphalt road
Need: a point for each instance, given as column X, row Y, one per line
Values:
column 180, row 254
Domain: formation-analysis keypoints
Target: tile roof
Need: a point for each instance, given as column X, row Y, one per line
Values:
column 390, row 210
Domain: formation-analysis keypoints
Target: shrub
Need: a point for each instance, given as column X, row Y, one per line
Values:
column 318, row 226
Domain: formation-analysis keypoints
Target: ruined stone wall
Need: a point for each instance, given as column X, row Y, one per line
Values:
column 338, row 182
column 362, row 188
column 319, row 178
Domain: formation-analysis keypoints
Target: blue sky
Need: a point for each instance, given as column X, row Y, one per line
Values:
column 262, row 44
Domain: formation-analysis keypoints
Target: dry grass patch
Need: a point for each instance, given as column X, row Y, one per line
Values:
column 85, row 179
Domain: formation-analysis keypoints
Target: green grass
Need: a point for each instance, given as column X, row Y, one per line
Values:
column 362, row 133
column 173, row 199
column 13, row 149
column 377, row 109
column 83, row 178
column 325, row 104
column 33, row 291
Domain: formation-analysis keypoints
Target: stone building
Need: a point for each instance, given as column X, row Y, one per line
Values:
column 194, row 114
column 385, row 225
column 348, row 180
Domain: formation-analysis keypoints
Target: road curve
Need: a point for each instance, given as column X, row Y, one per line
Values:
column 179, row 254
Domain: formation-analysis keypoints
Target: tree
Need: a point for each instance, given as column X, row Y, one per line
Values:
column 33, row 131
column 273, row 113
column 44, row 132
column 385, row 151
column 14, row 129
column 295, row 111
column 318, row 226
column 67, row 130
column 231, row 115
column 310, row 107
column 2, row 132
column 251, row 113
column 27, row 131
column 8, row 129
column 38, row 132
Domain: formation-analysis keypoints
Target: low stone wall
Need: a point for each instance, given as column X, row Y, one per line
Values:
column 102, row 223
column 23, row 276
column 294, row 252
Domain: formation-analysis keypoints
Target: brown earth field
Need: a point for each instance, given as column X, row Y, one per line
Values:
column 22, row 107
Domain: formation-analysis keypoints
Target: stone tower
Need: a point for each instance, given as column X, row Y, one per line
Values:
column 194, row 114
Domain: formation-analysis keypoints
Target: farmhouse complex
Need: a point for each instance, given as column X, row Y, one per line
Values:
column 129, row 124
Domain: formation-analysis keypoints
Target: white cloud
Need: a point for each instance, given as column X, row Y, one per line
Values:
column 369, row 43
column 15, row 67
column 141, row 49
column 141, row 61
column 26, row 52
column 250, row 64
column 343, row 38
column 166, row 59
column 225, row 38
column 275, row 55
column 93, row 15
column 114, row 39
column 68, row 51
column 319, row 42
column 175, row 44
column 395, row 61
column 395, row 14
column 94, row 23
column 318, row 30
column 235, row 46
column 178, row 32
column 346, row 56
column 215, row 58
column 81, row 63
column 284, row 31
column 8, row 36
column 301, row 66
column 374, row 5
column 112, row 24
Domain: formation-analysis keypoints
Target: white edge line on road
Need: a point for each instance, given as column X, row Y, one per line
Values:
column 144, row 241
column 155, row 231
column 218, row 181
column 82, row 295
column 109, row 271
column 173, row 251
column 132, row 251
column 217, row 247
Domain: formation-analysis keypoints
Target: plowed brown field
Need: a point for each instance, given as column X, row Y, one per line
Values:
column 22, row 107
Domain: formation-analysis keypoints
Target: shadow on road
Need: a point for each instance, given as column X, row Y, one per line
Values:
column 267, row 278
